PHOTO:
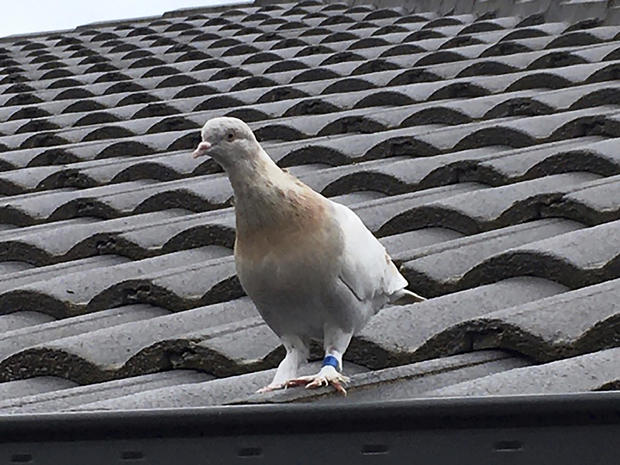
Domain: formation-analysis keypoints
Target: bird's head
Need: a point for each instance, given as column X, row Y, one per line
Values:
column 228, row 141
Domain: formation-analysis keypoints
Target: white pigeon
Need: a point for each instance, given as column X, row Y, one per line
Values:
column 310, row 266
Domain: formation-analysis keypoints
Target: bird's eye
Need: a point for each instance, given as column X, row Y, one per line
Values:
column 230, row 136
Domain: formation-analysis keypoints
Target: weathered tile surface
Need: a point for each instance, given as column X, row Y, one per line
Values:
column 477, row 140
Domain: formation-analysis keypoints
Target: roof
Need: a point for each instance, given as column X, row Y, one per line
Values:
column 481, row 148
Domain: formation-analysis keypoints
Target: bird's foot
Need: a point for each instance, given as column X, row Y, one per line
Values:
column 328, row 375
column 271, row 387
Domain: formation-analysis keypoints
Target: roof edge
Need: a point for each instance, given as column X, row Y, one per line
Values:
column 585, row 408
column 512, row 429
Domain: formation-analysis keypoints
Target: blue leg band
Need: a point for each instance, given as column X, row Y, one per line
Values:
column 330, row 360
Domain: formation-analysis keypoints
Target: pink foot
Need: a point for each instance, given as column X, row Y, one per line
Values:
column 327, row 376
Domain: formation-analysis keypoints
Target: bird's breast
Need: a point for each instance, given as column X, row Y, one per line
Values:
column 285, row 257
column 291, row 254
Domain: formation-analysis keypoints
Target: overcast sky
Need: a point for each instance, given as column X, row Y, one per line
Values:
column 23, row 16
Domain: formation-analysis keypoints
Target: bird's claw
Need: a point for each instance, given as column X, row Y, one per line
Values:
column 296, row 382
column 321, row 380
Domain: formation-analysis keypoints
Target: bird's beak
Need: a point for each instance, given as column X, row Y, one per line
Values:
column 201, row 149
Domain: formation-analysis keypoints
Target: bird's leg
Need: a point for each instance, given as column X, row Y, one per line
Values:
column 335, row 343
column 296, row 354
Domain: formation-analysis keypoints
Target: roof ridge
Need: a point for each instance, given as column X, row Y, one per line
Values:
column 550, row 10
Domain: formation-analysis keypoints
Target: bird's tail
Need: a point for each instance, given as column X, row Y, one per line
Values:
column 405, row 297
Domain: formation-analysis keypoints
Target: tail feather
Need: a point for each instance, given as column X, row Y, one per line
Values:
column 405, row 297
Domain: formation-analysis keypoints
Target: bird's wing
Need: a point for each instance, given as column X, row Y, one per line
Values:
column 367, row 270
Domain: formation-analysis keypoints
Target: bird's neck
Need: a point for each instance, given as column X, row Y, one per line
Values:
column 265, row 196
column 252, row 174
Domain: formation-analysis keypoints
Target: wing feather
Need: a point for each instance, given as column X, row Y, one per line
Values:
column 367, row 269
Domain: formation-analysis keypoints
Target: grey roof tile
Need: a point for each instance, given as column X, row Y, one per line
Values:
column 402, row 382
column 18, row 339
column 401, row 335
column 115, row 200
column 19, row 320
column 20, row 279
column 103, row 286
column 577, row 258
column 444, row 267
column 589, row 372
column 597, row 199
column 213, row 392
column 579, row 154
column 33, row 387
column 569, row 324
column 66, row 240
column 490, row 208
column 544, row 329
column 139, row 347
column 375, row 218
column 65, row 396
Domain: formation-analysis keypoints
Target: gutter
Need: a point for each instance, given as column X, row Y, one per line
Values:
column 551, row 429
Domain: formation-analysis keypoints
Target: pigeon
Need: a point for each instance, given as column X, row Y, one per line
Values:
column 311, row 267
